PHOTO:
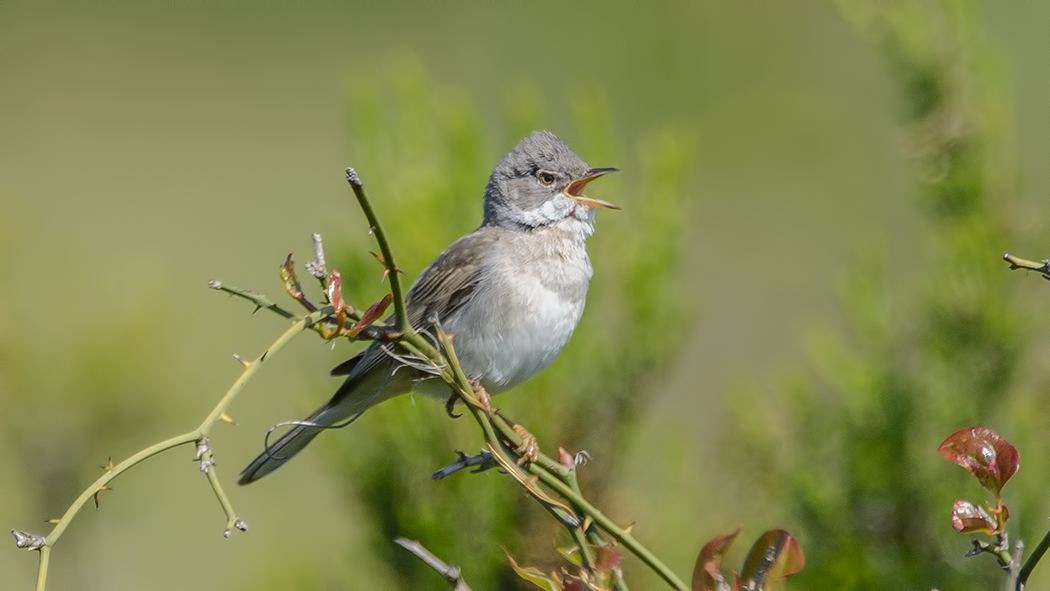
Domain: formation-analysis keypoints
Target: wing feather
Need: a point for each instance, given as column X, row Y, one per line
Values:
column 440, row 290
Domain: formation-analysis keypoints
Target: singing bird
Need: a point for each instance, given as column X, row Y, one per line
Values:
column 511, row 292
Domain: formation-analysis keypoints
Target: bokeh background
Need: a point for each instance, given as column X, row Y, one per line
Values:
column 801, row 298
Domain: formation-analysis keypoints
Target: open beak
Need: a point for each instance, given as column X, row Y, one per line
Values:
column 575, row 188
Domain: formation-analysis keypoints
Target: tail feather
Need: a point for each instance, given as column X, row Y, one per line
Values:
column 283, row 449
column 357, row 394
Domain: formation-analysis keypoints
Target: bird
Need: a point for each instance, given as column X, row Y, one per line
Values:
column 510, row 293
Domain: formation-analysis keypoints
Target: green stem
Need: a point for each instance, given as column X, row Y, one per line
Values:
column 618, row 533
column 41, row 575
column 400, row 313
column 1033, row 559
column 562, row 480
column 586, row 551
column 198, row 435
column 250, row 369
column 1042, row 267
column 232, row 520
column 583, row 537
column 112, row 473
column 258, row 299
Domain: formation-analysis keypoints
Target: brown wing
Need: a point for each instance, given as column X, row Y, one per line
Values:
column 445, row 285
column 451, row 280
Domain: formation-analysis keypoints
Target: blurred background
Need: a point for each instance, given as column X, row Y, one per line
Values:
column 800, row 299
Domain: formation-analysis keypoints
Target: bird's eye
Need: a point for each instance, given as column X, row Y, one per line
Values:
column 546, row 178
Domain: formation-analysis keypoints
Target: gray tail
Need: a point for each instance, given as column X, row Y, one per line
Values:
column 366, row 385
column 284, row 449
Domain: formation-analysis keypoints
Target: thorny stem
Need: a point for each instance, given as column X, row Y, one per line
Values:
column 41, row 573
column 109, row 475
column 400, row 314
column 553, row 474
column 198, row 435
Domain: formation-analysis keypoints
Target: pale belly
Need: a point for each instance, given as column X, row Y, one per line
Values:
column 503, row 340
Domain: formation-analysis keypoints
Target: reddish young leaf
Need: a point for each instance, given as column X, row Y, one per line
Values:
column 334, row 291
column 291, row 282
column 774, row 557
column 707, row 573
column 983, row 453
column 373, row 313
column 969, row 518
column 606, row 559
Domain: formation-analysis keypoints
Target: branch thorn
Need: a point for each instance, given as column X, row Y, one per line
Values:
column 100, row 489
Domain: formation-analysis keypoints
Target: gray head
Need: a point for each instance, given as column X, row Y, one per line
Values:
column 540, row 183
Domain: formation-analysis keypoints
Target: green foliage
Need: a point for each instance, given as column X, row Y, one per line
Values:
column 850, row 452
column 422, row 155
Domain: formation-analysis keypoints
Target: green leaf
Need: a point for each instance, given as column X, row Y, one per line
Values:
column 983, row 453
column 774, row 557
column 572, row 554
column 707, row 574
column 534, row 575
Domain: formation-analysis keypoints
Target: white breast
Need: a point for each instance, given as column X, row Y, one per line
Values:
column 523, row 314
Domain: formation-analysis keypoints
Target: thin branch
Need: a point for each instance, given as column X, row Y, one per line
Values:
column 400, row 313
column 553, row 474
column 259, row 300
column 1033, row 559
column 41, row 574
column 109, row 475
column 1042, row 267
column 452, row 574
column 207, row 462
column 317, row 267
column 480, row 462
column 198, row 436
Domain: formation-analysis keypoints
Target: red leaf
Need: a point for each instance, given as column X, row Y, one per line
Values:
column 334, row 291
column 373, row 313
column 774, row 557
column 969, row 518
column 708, row 570
column 983, row 453
column 291, row 282
column 606, row 559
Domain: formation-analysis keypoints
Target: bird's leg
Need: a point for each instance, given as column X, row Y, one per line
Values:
column 529, row 450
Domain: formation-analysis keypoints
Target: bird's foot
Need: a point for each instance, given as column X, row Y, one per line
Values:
column 483, row 396
column 529, row 450
column 450, row 405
